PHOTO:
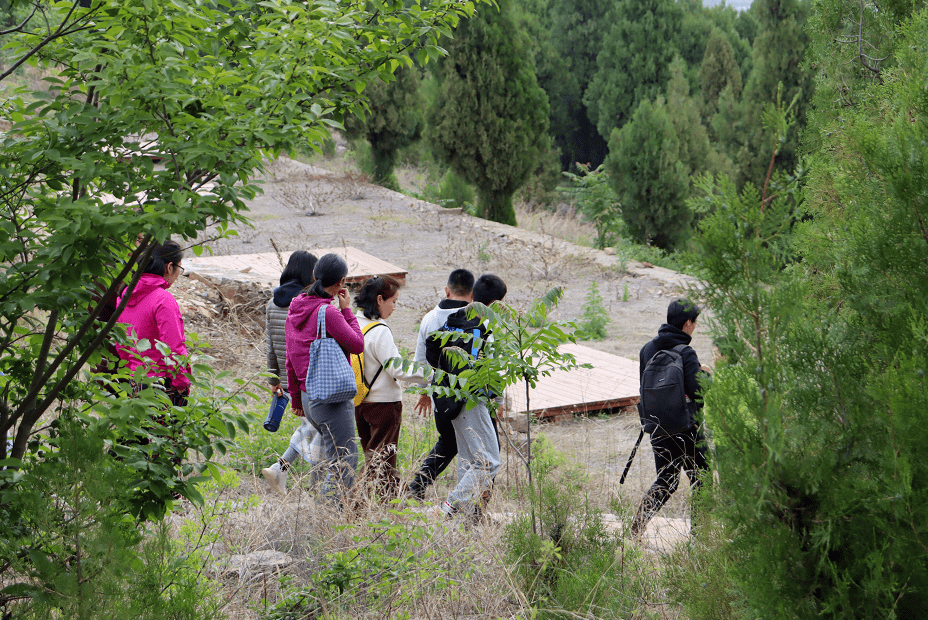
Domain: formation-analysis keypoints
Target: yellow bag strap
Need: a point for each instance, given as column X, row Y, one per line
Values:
column 360, row 357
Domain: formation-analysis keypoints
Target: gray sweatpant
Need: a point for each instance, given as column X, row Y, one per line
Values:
column 478, row 457
column 339, row 443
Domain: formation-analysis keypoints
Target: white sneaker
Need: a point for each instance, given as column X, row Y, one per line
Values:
column 276, row 479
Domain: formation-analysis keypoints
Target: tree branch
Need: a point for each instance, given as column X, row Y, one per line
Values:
column 19, row 28
column 60, row 32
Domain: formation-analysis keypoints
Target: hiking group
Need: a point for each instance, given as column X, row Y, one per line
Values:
column 315, row 341
column 312, row 304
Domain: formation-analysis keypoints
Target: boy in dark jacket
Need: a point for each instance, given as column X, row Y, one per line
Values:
column 682, row 450
column 475, row 428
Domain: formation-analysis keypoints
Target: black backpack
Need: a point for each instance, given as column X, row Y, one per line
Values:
column 664, row 404
column 439, row 356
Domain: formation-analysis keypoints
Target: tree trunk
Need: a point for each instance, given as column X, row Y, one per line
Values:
column 496, row 206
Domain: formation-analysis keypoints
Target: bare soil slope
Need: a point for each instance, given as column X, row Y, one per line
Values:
column 304, row 207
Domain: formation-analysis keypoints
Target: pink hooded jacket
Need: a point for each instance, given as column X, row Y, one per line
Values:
column 153, row 314
column 300, row 330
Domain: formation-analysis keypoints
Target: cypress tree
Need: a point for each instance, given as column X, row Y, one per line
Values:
column 647, row 175
column 820, row 406
column 718, row 70
column 393, row 120
column 633, row 64
column 779, row 56
column 490, row 119
column 577, row 34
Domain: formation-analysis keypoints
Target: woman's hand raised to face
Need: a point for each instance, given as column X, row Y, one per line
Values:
column 344, row 300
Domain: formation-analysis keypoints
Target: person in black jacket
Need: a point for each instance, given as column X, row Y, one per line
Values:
column 684, row 450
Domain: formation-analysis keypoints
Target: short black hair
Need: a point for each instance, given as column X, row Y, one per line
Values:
column 680, row 311
column 489, row 288
column 300, row 268
column 164, row 253
column 461, row 282
column 366, row 299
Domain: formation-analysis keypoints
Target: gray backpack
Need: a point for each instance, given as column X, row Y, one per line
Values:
column 664, row 404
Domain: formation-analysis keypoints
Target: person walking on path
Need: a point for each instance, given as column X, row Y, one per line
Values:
column 153, row 314
column 684, row 450
column 380, row 415
column 334, row 421
column 305, row 441
column 458, row 293
column 475, row 428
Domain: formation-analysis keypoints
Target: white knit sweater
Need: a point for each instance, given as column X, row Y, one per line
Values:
column 378, row 348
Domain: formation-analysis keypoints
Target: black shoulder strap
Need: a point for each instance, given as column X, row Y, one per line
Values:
column 379, row 370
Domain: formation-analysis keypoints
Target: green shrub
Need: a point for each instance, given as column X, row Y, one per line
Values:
column 590, row 192
column 394, row 562
column 697, row 575
column 594, row 318
column 571, row 564
column 455, row 192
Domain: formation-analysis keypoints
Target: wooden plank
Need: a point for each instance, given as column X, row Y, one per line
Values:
column 266, row 266
column 611, row 383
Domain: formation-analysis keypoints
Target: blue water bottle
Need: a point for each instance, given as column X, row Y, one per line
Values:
column 278, row 406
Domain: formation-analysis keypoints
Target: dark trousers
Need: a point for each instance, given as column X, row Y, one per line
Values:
column 686, row 451
column 379, row 430
column 441, row 455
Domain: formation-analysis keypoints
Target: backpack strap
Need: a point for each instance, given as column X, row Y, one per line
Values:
column 364, row 331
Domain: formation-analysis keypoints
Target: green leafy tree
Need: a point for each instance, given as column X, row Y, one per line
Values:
column 823, row 489
column 651, row 182
column 392, row 120
column 491, row 116
column 633, row 64
column 209, row 91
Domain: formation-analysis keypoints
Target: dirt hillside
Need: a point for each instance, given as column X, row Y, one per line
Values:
column 306, row 207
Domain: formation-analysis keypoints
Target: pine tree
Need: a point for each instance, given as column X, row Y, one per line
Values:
column 647, row 175
column 697, row 153
column 718, row 71
column 491, row 116
column 577, row 34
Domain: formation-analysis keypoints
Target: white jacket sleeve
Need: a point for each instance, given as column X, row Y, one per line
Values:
column 379, row 348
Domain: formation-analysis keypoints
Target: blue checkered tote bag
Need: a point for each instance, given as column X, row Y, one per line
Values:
column 329, row 378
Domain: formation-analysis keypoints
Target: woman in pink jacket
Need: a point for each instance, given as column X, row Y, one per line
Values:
column 152, row 314
column 335, row 421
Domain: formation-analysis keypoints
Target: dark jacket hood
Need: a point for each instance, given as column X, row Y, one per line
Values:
column 285, row 293
column 449, row 304
column 459, row 320
column 669, row 336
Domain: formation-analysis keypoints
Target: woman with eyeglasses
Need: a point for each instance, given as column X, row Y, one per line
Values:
column 153, row 314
